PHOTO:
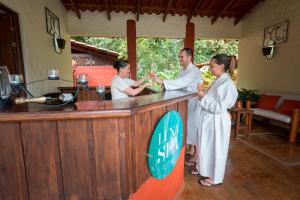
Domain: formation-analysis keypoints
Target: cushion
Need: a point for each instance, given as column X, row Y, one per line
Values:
column 267, row 102
column 288, row 106
column 270, row 114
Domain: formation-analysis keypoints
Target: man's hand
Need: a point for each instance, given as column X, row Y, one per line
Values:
column 152, row 74
column 158, row 80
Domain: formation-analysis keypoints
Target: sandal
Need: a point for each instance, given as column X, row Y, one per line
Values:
column 194, row 172
column 189, row 154
column 208, row 184
column 189, row 163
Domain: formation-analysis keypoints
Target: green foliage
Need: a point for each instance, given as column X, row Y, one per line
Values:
column 245, row 94
column 114, row 44
column 205, row 49
column 161, row 55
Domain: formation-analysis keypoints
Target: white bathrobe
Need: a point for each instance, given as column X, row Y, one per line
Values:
column 188, row 80
column 214, row 128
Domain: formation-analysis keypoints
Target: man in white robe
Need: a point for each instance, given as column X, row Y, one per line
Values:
column 188, row 79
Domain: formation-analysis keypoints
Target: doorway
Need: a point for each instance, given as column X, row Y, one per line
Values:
column 10, row 40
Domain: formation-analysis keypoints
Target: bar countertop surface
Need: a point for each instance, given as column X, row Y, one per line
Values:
column 92, row 109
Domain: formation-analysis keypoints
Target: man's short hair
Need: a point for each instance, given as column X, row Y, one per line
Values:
column 188, row 51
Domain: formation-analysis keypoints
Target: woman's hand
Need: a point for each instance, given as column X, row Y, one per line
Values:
column 148, row 84
column 201, row 93
column 200, row 86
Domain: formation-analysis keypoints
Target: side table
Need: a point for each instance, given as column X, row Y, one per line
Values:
column 238, row 113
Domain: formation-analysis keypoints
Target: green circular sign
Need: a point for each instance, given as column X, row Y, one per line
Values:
column 165, row 145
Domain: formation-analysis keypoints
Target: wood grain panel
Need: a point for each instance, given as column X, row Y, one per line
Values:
column 156, row 115
column 42, row 160
column 126, row 157
column 12, row 171
column 107, row 158
column 143, row 133
column 172, row 107
column 182, row 109
column 88, row 95
column 76, row 151
column 144, row 127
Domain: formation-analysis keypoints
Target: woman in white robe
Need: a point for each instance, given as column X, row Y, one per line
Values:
column 215, row 122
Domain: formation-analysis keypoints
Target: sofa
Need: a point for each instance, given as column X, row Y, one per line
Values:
column 280, row 107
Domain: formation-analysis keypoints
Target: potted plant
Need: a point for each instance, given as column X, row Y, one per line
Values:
column 248, row 96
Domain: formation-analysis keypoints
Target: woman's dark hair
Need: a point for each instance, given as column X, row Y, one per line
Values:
column 120, row 63
column 228, row 61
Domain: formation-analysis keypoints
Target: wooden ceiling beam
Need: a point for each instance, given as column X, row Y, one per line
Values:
column 238, row 19
column 200, row 2
column 211, row 3
column 173, row 7
column 177, row 3
column 75, row 8
column 167, row 10
column 107, row 9
column 138, row 10
column 221, row 12
column 126, row 7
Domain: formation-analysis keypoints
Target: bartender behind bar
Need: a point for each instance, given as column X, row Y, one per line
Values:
column 121, row 86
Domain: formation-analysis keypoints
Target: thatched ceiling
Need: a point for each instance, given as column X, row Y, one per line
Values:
column 215, row 9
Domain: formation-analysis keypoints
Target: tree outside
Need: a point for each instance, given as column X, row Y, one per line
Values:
column 205, row 49
column 161, row 55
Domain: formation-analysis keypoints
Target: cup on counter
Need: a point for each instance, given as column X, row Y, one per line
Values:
column 16, row 79
column 53, row 74
column 100, row 89
column 82, row 79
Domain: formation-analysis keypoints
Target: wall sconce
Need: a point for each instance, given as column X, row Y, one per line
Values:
column 269, row 51
column 53, row 28
column 59, row 44
column 274, row 35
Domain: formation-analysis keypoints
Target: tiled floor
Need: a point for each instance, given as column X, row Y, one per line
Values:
column 252, row 174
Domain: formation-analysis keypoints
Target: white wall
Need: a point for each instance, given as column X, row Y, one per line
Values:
column 97, row 24
column 38, row 51
column 282, row 73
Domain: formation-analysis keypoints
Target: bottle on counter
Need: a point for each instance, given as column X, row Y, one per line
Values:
column 49, row 100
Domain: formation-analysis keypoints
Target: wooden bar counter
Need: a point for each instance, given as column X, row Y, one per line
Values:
column 91, row 150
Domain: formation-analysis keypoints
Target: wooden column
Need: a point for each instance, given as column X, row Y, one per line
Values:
column 189, row 36
column 131, row 46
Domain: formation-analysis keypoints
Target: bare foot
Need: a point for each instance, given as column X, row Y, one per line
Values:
column 190, row 150
column 194, row 158
column 189, row 163
column 190, row 153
